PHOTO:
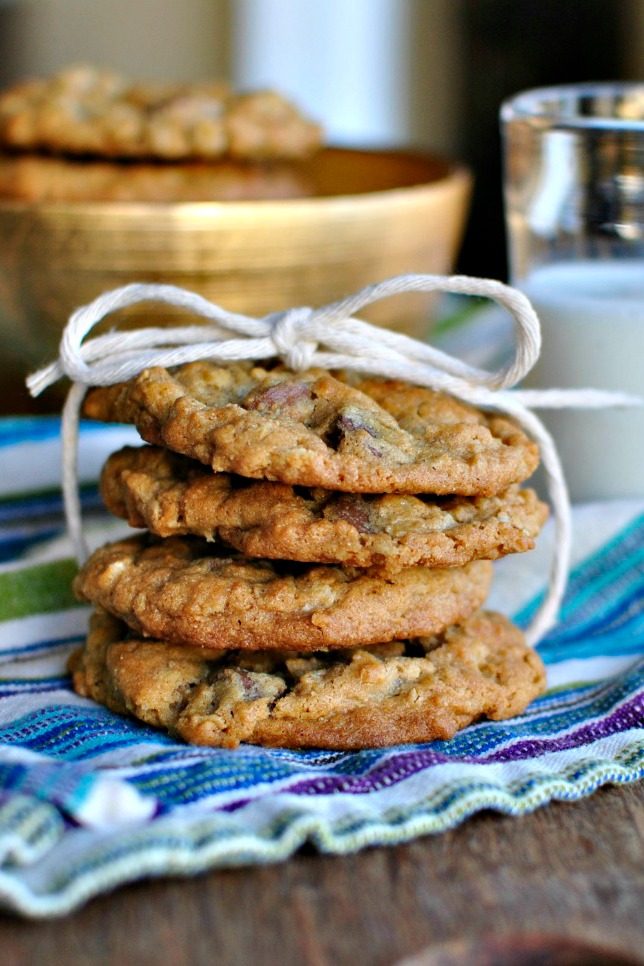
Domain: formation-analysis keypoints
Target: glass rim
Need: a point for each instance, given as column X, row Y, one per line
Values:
column 557, row 106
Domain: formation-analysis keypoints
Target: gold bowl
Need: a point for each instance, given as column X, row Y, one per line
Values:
column 371, row 214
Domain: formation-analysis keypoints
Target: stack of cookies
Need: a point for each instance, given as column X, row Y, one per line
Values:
column 316, row 554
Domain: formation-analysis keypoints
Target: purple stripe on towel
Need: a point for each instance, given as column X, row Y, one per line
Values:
column 626, row 716
column 400, row 766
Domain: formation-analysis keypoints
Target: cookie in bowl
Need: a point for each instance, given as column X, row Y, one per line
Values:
column 89, row 112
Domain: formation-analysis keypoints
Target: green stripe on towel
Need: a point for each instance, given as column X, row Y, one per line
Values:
column 36, row 590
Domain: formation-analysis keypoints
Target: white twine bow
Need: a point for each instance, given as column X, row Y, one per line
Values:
column 296, row 336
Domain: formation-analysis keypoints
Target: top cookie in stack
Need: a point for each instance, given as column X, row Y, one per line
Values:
column 312, row 429
column 362, row 513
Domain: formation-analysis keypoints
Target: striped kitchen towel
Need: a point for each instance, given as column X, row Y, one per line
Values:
column 90, row 800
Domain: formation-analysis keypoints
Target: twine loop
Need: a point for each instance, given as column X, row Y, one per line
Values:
column 330, row 337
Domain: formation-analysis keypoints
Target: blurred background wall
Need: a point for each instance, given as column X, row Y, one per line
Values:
column 427, row 73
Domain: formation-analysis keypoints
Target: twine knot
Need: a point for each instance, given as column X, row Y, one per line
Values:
column 288, row 332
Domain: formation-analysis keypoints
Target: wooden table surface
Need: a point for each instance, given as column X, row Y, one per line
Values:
column 564, row 885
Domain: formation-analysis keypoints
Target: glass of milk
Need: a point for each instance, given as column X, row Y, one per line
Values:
column 574, row 199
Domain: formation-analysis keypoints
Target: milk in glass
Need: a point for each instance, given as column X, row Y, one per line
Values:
column 574, row 204
column 592, row 320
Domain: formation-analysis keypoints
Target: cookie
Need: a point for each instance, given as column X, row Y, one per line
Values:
column 172, row 495
column 31, row 177
column 187, row 591
column 312, row 429
column 84, row 110
column 407, row 691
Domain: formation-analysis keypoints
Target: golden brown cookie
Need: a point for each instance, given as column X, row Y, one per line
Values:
column 407, row 691
column 172, row 495
column 312, row 429
column 84, row 110
column 32, row 177
column 187, row 591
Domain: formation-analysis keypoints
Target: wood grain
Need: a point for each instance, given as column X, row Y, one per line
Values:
column 564, row 885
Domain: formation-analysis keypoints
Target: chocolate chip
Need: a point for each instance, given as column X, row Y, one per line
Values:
column 352, row 423
column 346, row 423
column 249, row 685
column 280, row 396
column 354, row 511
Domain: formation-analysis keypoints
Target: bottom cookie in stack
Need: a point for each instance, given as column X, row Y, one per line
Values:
column 364, row 697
